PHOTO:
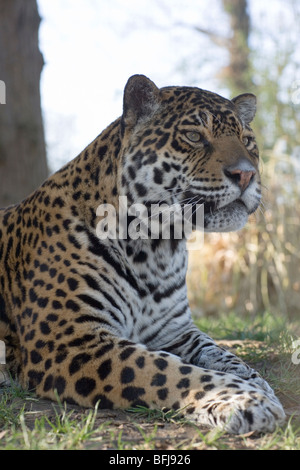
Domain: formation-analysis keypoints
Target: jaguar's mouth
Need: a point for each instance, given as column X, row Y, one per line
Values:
column 228, row 218
column 211, row 208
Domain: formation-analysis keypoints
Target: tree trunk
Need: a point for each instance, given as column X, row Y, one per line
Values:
column 23, row 164
column 238, row 74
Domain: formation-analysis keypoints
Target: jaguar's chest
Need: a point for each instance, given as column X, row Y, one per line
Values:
column 148, row 293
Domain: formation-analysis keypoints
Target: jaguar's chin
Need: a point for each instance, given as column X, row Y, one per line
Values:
column 228, row 218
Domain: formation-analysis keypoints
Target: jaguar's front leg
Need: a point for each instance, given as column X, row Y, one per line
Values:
column 199, row 349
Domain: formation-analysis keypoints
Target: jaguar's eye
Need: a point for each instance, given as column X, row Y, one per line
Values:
column 246, row 141
column 193, row 136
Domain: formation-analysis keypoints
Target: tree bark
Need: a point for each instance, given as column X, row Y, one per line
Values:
column 238, row 74
column 23, row 164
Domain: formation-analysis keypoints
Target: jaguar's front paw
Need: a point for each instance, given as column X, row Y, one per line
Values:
column 250, row 411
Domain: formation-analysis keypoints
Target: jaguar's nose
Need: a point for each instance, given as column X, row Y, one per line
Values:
column 241, row 174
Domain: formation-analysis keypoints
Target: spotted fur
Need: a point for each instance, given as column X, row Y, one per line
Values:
column 108, row 321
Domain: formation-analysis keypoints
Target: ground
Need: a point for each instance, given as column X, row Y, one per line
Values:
column 28, row 422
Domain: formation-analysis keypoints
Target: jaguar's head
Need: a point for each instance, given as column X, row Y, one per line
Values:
column 187, row 145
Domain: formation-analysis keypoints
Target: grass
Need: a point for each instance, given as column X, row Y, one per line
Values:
column 29, row 423
column 265, row 327
column 65, row 433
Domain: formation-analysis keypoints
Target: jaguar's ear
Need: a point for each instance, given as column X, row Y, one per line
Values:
column 140, row 100
column 246, row 106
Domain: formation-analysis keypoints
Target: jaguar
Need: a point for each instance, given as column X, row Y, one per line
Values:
column 105, row 321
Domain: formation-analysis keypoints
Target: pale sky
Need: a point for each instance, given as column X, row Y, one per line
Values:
column 91, row 48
